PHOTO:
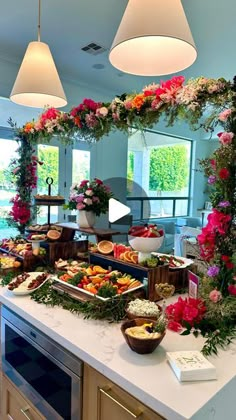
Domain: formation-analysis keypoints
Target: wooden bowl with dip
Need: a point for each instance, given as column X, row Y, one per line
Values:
column 137, row 339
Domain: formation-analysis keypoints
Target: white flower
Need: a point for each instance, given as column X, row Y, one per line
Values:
column 89, row 192
column 102, row 112
column 88, row 201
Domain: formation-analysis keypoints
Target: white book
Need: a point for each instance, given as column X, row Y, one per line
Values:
column 191, row 366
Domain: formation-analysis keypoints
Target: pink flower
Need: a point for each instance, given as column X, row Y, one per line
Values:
column 80, row 206
column 128, row 104
column 225, row 138
column 224, row 115
column 50, row 114
column 215, row 296
column 91, row 120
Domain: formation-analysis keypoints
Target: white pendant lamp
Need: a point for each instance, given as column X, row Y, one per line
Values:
column 153, row 39
column 37, row 83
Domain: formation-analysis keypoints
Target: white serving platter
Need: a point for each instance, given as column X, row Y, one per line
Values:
column 186, row 261
column 92, row 294
column 22, row 289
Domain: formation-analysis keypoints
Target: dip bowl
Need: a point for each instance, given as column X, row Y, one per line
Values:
column 141, row 345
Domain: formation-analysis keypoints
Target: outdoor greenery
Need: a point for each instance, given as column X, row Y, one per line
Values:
column 169, row 168
column 50, row 158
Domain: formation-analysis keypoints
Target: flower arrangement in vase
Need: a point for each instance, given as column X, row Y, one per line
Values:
column 90, row 198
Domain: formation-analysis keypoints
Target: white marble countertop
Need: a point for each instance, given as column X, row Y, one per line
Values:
column 148, row 377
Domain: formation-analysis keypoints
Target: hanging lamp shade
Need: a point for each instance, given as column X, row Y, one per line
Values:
column 37, row 83
column 153, row 39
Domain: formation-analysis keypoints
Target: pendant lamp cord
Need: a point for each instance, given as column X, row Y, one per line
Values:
column 39, row 17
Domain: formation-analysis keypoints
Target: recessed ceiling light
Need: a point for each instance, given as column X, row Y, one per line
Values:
column 98, row 66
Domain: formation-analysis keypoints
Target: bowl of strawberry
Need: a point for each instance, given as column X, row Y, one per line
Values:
column 145, row 239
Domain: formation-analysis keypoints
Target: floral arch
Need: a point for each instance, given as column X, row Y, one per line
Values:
column 174, row 100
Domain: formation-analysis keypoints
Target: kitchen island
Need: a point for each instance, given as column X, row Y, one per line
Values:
column 146, row 377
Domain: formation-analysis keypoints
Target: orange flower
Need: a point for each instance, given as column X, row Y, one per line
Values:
column 138, row 101
column 77, row 121
column 28, row 127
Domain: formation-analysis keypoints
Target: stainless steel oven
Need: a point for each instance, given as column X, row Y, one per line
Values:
column 47, row 374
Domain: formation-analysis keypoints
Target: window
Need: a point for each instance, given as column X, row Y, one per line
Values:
column 80, row 165
column 6, row 186
column 160, row 166
column 49, row 155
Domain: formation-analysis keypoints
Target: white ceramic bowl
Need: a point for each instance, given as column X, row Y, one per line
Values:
column 145, row 246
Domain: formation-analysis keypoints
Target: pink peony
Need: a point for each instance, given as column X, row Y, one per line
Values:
column 80, row 206
column 215, row 296
column 225, row 138
column 224, row 115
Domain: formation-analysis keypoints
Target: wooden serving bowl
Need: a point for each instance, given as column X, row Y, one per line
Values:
column 139, row 345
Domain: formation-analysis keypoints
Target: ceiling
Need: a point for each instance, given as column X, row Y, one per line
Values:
column 67, row 26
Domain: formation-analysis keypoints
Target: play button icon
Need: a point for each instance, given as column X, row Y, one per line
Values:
column 116, row 210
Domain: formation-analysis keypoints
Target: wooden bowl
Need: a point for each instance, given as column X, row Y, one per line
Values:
column 139, row 345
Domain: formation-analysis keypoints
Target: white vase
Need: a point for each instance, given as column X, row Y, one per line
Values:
column 86, row 219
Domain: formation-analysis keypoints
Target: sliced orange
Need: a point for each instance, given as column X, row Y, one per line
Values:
column 99, row 270
column 105, row 247
column 134, row 258
column 96, row 279
column 126, row 256
column 123, row 280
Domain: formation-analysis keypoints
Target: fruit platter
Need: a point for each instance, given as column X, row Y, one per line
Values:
column 27, row 282
column 7, row 261
column 174, row 262
column 95, row 280
column 16, row 246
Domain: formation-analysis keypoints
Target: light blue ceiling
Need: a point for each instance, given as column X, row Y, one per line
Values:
column 69, row 25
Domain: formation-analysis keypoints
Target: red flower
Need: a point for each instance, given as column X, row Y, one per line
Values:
column 213, row 163
column 98, row 181
column 185, row 310
column 174, row 326
column 232, row 289
column 224, row 173
column 83, row 183
column 218, row 222
column 229, row 265
column 225, row 258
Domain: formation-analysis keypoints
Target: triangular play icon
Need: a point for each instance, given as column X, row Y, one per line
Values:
column 116, row 210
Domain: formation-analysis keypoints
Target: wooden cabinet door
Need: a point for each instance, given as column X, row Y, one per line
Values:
column 14, row 406
column 103, row 400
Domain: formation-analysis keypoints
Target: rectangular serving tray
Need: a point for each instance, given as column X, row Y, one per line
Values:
column 70, row 286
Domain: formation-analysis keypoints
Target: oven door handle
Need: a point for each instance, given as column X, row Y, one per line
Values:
column 24, row 412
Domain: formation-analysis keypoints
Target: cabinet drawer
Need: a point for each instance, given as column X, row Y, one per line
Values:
column 15, row 406
column 103, row 400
